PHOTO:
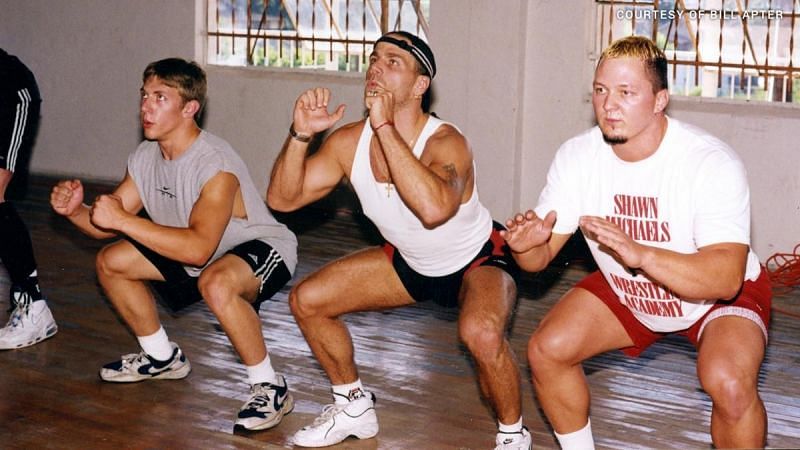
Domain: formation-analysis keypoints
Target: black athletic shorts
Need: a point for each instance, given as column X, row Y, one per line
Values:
column 19, row 119
column 444, row 290
column 179, row 289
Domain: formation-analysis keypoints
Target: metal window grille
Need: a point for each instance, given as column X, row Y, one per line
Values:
column 317, row 34
column 738, row 49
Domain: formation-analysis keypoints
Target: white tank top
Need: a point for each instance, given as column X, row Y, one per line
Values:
column 431, row 252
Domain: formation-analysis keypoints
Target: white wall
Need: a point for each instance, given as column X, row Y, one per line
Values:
column 514, row 75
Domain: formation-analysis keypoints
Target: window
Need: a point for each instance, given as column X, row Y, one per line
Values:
column 316, row 34
column 738, row 49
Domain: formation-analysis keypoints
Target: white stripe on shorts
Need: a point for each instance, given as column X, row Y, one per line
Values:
column 734, row 311
column 264, row 271
column 19, row 128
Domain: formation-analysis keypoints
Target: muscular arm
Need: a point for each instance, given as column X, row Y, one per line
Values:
column 298, row 180
column 432, row 186
column 67, row 200
column 714, row 272
column 193, row 245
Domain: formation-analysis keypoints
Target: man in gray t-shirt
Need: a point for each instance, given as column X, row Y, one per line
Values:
column 208, row 235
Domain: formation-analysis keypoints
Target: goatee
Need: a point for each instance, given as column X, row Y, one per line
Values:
column 614, row 140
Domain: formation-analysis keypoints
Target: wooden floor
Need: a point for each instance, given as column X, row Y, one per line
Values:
column 52, row 398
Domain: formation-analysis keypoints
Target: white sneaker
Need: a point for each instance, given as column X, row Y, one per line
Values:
column 30, row 322
column 338, row 422
column 267, row 405
column 139, row 366
column 521, row 440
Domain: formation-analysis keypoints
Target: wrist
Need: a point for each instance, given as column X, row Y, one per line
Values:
column 382, row 124
column 302, row 137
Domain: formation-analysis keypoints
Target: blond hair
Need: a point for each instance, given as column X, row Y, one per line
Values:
column 645, row 50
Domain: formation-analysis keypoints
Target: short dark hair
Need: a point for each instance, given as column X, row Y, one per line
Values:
column 185, row 76
column 641, row 48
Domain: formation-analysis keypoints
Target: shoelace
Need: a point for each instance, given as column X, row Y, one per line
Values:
column 260, row 397
column 328, row 411
column 23, row 302
column 132, row 358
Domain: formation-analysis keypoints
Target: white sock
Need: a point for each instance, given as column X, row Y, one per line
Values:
column 156, row 345
column 577, row 440
column 342, row 392
column 262, row 373
column 513, row 428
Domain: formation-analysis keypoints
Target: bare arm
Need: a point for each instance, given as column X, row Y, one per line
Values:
column 66, row 199
column 296, row 179
column 432, row 186
column 532, row 241
column 714, row 272
column 193, row 245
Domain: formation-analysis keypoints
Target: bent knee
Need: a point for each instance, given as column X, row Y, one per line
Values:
column 111, row 261
column 481, row 336
column 548, row 348
column 731, row 390
column 217, row 287
column 305, row 300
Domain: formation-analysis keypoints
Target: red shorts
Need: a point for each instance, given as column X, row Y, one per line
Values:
column 753, row 302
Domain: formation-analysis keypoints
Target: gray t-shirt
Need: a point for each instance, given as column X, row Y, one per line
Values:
column 170, row 188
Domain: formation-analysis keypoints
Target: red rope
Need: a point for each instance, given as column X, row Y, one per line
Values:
column 783, row 270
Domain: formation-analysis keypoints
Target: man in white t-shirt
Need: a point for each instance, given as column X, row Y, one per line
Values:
column 665, row 211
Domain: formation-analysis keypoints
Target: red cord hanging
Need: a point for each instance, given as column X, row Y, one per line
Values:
column 783, row 270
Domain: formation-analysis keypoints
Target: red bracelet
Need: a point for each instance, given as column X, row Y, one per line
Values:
column 388, row 122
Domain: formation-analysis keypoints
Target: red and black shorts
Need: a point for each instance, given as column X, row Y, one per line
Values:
column 444, row 290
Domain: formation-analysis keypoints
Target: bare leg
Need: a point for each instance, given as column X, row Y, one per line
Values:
column 363, row 281
column 121, row 270
column 578, row 327
column 488, row 296
column 229, row 287
column 729, row 357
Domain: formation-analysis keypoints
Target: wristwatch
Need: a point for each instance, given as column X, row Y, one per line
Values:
column 300, row 137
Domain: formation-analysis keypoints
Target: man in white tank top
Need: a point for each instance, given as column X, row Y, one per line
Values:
column 415, row 178
column 665, row 211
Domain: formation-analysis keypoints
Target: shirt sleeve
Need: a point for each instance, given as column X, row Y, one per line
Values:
column 723, row 203
column 559, row 192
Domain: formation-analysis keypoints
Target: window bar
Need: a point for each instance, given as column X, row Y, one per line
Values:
column 744, row 52
column 217, row 30
column 298, row 43
column 399, row 15
column 771, row 78
column 654, row 30
column 790, row 81
column 610, row 23
column 675, row 50
column 314, row 32
column 364, row 30
column 281, row 42
column 347, row 34
column 331, row 24
column 249, row 25
column 418, row 12
column 233, row 30
column 384, row 16
column 719, row 57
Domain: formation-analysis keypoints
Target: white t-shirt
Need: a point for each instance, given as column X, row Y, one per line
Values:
column 691, row 193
